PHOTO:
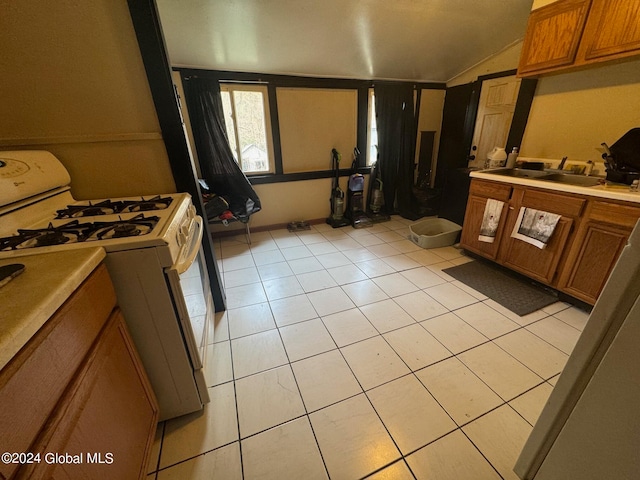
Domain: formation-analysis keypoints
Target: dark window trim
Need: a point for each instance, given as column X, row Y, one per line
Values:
column 275, row 81
column 298, row 81
column 298, row 176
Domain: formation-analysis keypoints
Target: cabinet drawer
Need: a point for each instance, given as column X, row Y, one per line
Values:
column 499, row 191
column 38, row 375
column 562, row 204
column 614, row 214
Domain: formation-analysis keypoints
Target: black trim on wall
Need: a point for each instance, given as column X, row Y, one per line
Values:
column 297, row 81
column 274, row 81
column 363, row 124
column 146, row 23
column 298, row 176
column 489, row 76
column 521, row 114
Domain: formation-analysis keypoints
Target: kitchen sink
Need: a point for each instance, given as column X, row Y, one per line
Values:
column 569, row 179
column 565, row 178
column 519, row 172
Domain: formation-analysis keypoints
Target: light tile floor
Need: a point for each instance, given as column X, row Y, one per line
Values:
column 349, row 353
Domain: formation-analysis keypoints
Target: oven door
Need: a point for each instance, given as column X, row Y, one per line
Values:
column 189, row 284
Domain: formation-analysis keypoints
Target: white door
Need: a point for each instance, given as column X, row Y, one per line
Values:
column 498, row 98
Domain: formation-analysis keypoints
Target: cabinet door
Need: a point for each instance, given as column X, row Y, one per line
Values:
column 612, row 30
column 553, row 35
column 108, row 415
column 471, row 228
column 38, row 375
column 540, row 264
column 598, row 245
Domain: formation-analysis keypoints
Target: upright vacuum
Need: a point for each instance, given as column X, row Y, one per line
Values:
column 376, row 198
column 355, row 196
column 336, row 219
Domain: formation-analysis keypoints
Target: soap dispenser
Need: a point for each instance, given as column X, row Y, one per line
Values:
column 511, row 159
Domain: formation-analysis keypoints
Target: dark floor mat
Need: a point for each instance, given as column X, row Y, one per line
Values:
column 513, row 293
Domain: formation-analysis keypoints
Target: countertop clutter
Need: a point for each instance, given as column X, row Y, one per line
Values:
column 31, row 298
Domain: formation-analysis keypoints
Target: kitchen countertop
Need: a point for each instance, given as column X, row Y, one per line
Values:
column 612, row 192
column 32, row 297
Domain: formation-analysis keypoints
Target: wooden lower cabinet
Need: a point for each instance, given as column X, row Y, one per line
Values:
column 78, row 390
column 580, row 254
column 479, row 193
column 539, row 263
column 599, row 241
column 472, row 223
column 107, row 417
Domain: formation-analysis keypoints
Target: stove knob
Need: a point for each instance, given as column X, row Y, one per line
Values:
column 182, row 239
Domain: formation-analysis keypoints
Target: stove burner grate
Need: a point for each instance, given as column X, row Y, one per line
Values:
column 75, row 232
column 138, row 225
column 70, row 232
column 108, row 207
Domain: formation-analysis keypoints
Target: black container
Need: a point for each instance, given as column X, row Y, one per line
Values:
column 620, row 176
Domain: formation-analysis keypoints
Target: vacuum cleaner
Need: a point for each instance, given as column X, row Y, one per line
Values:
column 337, row 218
column 376, row 198
column 355, row 196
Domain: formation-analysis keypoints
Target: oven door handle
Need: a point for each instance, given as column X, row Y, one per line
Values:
column 194, row 246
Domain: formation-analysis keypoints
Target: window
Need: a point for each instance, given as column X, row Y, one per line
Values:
column 246, row 112
column 372, row 131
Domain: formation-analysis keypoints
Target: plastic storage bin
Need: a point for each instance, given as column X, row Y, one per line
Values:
column 434, row 232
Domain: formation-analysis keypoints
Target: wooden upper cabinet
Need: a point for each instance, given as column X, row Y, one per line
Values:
column 612, row 30
column 553, row 35
column 571, row 34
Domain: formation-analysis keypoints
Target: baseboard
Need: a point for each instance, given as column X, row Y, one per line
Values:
column 231, row 232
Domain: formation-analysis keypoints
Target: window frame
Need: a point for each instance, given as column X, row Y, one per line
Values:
column 263, row 89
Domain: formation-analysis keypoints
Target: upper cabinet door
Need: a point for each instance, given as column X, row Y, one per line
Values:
column 613, row 30
column 553, row 35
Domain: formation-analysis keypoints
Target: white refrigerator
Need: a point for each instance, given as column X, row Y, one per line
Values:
column 590, row 426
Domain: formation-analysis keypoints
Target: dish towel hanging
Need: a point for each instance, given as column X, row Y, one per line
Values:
column 535, row 226
column 490, row 220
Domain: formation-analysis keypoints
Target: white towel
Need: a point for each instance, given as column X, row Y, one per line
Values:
column 490, row 220
column 535, row 226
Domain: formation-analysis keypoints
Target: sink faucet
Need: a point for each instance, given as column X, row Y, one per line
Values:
column 589, row 168
column 561, row 166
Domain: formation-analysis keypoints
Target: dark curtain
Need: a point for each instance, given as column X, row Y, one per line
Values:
column 223, row 175
column 395, row 119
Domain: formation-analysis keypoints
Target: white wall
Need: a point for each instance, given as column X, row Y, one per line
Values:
column 73, row 83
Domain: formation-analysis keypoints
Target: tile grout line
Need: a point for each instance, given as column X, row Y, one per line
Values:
column 403, row 457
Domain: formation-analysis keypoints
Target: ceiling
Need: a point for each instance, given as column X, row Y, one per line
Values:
column 415, row 40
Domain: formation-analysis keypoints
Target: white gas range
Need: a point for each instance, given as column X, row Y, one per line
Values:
column 154, row 258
